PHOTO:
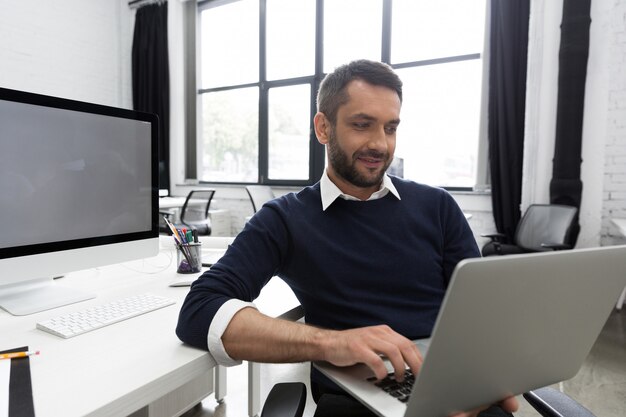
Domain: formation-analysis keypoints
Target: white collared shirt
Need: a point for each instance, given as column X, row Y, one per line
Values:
column 330, row 192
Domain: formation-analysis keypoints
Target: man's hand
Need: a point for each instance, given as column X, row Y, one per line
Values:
column 367, row 344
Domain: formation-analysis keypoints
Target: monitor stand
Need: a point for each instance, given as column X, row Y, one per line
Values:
column 37, row 295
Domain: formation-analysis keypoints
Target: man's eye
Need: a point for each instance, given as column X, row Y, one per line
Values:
column 361, row 125
column 391, row 130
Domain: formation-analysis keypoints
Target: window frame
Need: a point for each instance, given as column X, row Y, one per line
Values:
column 316, row 150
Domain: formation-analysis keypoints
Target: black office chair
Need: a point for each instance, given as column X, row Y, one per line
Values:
column 194, row 214
column 544, row 227
column 259, row 195
column 286, row 399
column 289, row 399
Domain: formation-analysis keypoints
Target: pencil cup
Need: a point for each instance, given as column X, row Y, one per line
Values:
column 189, row 258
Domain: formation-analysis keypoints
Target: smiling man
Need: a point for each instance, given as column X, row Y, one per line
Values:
column 367, row 127
column 369, row 256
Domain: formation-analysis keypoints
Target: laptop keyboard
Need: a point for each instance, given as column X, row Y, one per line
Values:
column 400, row 390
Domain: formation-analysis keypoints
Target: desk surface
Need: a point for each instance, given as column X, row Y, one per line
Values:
column 621, row 226
column 177, row 202
column 118, row 369
column 171, row 202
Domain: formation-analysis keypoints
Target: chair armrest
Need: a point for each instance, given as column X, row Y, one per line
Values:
column 553, row 403
column 495, row 237
column 556, row 246
column 294, row 314
column 285, row 400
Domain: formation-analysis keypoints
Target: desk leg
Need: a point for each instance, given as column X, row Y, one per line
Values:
column 181, row 399
column 254, row 389
column 220, row 383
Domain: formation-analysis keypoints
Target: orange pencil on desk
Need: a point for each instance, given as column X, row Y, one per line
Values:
column 15, row 355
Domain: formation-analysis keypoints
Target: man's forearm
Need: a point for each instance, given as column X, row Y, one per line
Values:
column 253, row 336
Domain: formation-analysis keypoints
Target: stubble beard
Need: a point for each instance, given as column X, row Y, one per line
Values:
column 344, row 166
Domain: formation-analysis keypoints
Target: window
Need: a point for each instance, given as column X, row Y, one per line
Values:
column 261, row 62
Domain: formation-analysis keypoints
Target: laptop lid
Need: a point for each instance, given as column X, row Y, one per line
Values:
column 507, row 325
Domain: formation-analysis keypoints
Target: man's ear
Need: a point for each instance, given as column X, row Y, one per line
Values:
column 322, row 128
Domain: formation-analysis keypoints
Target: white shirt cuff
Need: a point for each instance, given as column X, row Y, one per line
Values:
column 221, row 320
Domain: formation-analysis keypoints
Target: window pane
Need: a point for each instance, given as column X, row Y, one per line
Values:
column 426, row 29
column 230, row 44
column 230, row 132
column 289, row 127
column 438, row 136
column 352, row 30
column 290, row 38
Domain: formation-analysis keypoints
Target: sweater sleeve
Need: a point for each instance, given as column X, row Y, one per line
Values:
column 249, row 263
column 459, row 242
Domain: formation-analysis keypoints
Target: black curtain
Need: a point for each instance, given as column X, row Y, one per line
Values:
column 566, row 185
column 507, row 99
column 151, row 85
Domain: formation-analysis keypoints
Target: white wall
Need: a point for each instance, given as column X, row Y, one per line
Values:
column 78, row 49
column 614, row 112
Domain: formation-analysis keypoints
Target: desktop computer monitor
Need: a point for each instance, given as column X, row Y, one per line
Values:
column 78, row 189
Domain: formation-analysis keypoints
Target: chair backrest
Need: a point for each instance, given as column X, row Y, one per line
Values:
column 545, row 224
column 195, row 199
column 259, row 195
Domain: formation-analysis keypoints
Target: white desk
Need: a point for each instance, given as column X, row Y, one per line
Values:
column 172, row 202
column 620, row 224
column 135, row 365
column 621, row 228
column 138, row 364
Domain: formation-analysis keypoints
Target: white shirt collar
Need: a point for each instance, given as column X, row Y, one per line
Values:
column 330, row 192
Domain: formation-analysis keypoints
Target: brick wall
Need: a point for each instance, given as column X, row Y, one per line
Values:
column 78, row 49
column 614, row 195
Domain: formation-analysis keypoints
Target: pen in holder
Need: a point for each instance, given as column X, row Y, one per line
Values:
column 188, row 253
column 189, row 258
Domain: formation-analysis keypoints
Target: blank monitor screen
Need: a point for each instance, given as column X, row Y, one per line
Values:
column 73, row 175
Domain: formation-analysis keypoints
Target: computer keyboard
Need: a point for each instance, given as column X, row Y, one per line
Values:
column 83, row 321
column 399, row 390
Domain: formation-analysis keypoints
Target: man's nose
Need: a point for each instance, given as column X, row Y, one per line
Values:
column 378, row 140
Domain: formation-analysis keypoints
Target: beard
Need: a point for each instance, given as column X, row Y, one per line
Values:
column 345, row 167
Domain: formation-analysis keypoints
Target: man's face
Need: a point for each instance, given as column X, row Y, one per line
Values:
column 362, row 142
column 346, row 166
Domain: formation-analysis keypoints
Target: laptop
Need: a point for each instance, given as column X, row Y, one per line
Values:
column 507, row 325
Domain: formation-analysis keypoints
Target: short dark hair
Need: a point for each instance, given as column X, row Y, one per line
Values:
column 332, row 92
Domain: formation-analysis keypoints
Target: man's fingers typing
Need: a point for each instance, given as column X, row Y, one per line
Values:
column 367, row 345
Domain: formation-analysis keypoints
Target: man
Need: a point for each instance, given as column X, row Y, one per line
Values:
column 368, row 256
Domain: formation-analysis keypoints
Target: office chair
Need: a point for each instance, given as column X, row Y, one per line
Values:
column 544, row 227
column 259, row 195
column 194, row 214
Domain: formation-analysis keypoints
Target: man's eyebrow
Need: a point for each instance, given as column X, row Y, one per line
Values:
column 361, row 116
column 365, row 116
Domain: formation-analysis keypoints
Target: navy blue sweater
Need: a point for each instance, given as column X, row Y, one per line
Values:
column 385, row 261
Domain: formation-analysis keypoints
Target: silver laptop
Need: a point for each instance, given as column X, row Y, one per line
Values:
column 507, row 325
